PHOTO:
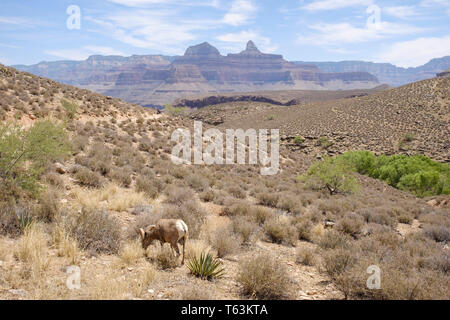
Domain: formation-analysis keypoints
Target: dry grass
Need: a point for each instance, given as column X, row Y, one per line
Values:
column 196, row 247
column 32, row 249
column 164, row 256
column 131, row 252
column 65, row 244
column 110, row 197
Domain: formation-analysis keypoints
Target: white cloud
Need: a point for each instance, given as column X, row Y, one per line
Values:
column 416, row 52
column 161, row 30
column 235, row 42
column 328, row 33
column 336, row 4
column 437, row 3
column 83, row 53
column 401, row 12
column 240, row 13
column 146, row 3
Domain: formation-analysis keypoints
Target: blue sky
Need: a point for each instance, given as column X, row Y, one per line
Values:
column 405, row 33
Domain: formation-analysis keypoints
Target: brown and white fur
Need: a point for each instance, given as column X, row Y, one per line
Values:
column 172, row 231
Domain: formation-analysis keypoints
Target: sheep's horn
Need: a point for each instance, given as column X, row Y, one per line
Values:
column 142, row 233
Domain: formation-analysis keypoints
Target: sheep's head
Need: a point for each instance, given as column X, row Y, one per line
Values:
column 148, row 235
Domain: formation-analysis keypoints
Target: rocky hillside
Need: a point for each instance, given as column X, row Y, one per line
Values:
column 386, row 72
column 413, row 119
column 276, row 237
column 157, row 80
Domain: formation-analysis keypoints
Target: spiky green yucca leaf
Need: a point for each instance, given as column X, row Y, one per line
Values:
column 205, row 266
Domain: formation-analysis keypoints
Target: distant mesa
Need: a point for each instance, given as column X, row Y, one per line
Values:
column 158, row 80
column 204, row 50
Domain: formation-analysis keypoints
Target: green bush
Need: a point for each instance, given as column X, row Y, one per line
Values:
column 324, row 142
column 26, row 152
column 416, row 174
column 70, row 107
column 299, row 140
column 334, row 174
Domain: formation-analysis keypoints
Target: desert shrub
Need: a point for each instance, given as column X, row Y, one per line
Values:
column 89, row 178
column 305, row 256
column 337, row 261
column 207, row 195
column 224, row 241
column 145, row 145
column 351, row 224
column 95, row 231
column 304, row 227
column 280, row 230
column 237, row 192
column 290, row 203
column 14, row 219
column 197, row 182
column 145, row 185
column 406, row 219
column 26, row 152
column 261, row 214
column 49, row 206
column 263, row 277
column 440, row 262
column 121, row 176
column 332, row 174
column 178, row 195
column 437, row 233
column 245, row 228
column 377, row 215
column 237, row 208
column 324, row 142
column 334, row 239
column 205, row 266
column 54, row 179
column 268, row 199
column 298, row 140
column 70, row 107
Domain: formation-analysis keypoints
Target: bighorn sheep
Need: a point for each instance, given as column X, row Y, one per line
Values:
column 172, row 231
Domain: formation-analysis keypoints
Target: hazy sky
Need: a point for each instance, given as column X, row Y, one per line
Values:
column 405, row 33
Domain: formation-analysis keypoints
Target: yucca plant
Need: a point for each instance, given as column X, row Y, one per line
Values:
column 24, row 217
column 205, row 266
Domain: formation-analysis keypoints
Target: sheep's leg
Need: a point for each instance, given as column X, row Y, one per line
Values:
column 184, row 244
column 175, row 247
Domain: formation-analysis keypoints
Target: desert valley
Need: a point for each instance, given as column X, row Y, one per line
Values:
column 358, row 207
